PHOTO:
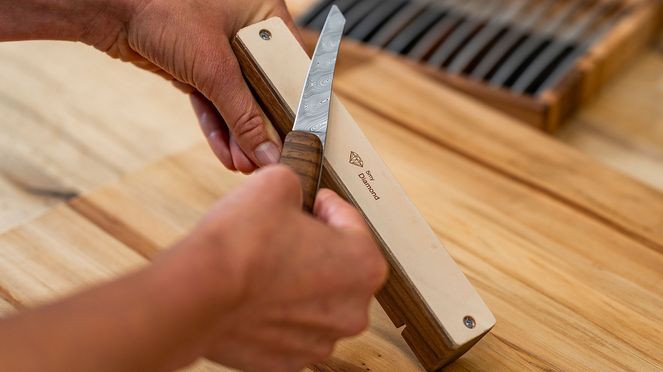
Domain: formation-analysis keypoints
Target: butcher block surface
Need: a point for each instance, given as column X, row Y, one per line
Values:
column 102, row 168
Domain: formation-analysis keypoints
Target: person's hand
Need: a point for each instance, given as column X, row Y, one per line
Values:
column 302, row 282
column 189, row 42
column 259, row 285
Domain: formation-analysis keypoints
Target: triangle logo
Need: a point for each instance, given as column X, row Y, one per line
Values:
column 355, row 159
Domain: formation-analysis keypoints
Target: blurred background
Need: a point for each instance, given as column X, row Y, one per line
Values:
column 588, row 72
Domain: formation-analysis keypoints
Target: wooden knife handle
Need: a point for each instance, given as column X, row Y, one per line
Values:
column 302, row 152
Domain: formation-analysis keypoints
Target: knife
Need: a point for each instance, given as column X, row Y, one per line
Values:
column 303, row 148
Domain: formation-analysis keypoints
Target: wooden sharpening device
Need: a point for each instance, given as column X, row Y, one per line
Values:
column 427, row 295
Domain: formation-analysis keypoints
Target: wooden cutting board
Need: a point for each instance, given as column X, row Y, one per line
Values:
column 567, row 253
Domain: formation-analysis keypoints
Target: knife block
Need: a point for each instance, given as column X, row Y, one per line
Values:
column 537, row 60
column 427, row 294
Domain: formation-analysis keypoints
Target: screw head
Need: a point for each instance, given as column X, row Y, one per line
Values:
column 469, row 322
column 265, row 35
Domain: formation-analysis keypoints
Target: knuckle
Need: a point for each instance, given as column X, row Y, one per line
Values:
column 205, row 75
column 249, row 128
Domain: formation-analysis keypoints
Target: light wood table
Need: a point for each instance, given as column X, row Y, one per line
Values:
column 102, row 167
column 623, row 128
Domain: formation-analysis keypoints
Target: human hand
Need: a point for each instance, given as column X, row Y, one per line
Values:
column 188, row 42
column 301, row 282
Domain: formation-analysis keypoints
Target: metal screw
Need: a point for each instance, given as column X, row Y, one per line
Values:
column 265, row 35
column 469, row 322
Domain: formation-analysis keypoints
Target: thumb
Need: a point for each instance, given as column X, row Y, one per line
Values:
column 336, row 212
column 247, row 123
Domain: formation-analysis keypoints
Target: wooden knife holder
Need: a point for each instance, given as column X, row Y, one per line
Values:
column 427, row 294
column 537, row 60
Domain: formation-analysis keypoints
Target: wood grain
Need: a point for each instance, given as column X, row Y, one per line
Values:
column 527, row 219
column 569, row 292
column 302, row 152
column 55, row 255
column 624, row 128
column 72, row 121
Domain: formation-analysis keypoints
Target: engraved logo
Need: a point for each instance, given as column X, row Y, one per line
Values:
column 355, row 159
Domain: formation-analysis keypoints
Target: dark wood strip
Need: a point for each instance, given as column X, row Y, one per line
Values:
column 43, row 186
column 11, row 299
column 115, row 227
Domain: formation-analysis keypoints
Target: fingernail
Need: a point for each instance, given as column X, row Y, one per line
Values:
column 267, row 153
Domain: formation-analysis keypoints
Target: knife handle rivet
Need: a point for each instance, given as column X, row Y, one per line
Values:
column 469, row 322
column 265, row 35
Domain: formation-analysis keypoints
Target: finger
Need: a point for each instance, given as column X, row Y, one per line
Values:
column 183, row 87
column 278, row 183
column 336, row 212
column 240, row 160
column 244, row 117
column 213, row 128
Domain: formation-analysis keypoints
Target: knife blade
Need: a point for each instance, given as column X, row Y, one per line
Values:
column 303, row 148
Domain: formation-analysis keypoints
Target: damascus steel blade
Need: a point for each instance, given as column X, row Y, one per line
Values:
column 313, row 112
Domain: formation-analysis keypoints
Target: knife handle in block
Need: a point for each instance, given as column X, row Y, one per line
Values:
column 302, row 152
